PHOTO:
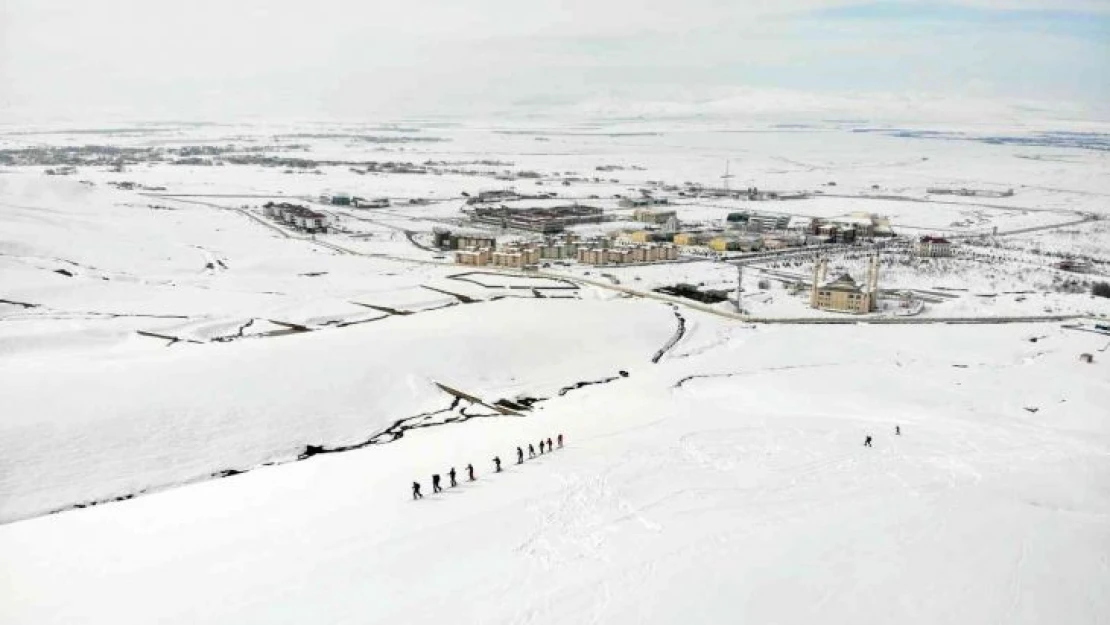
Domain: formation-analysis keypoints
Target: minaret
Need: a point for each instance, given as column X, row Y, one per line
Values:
column 873, row 282
column 818, row 278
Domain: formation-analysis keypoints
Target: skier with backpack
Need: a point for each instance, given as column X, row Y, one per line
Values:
column 470, row 472
column 519, row 455
column 435, row 483
column 451, row 474
column 497, row 464
column 416, row 491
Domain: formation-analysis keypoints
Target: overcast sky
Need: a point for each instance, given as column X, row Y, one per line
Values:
column 212, row 59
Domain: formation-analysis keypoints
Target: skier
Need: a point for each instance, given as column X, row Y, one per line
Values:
column 416, row 491
column 560, row 439
column 867, row 441
column 541, row 446
column 531, row 451
column 470, row 471
column 451, row 474
column 897, row 430
column 435, row 483
column 519, row 455
column 549, row 445
column 497, row 464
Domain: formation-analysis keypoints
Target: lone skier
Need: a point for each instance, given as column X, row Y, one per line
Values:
column 470, row 472
column 897, row 430
column 549, row 448
column 416, row 491
column 531, row 451
column 519, row 455
column 867, row 441
column 451, row 474
column 435, row 483
column 560, row 439
column 497, row 464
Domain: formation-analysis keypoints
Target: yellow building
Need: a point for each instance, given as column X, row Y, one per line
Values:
column 640, row 236
column 844, row 294
column 719, row 244
column 476, row 258
column 687, row 238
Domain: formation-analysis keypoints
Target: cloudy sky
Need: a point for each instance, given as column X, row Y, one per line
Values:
column 211, row 59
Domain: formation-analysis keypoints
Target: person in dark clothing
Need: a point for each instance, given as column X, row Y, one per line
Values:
column 560, row 440
column 867, row 441
column 549, row 448
column 451, row 474
column 897, row 430
column 497, row 464
column 531, row 451
column 519, row 455
column 470, row 472
column 541, row 446
column 416, row 491
column 435, row 483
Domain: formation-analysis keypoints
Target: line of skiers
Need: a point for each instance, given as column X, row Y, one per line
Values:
column 436, row 488
column 867, row 439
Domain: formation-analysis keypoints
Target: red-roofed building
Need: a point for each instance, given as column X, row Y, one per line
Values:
column 933, row 247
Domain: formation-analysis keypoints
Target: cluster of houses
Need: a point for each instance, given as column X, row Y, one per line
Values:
column 296, row 216
column 479, row 252
column 749, row 231
column 627, row 254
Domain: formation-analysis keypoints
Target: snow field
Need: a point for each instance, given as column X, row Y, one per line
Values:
column 750, row 496
column 141, row 420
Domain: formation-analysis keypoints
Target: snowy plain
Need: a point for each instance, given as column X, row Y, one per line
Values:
column 181, row 355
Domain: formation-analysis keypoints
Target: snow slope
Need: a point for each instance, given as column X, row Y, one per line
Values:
column 152, row 348
column 741, row 496
column 87, row 427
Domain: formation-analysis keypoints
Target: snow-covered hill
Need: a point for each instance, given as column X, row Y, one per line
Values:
column 209, row 418
column 727, row 482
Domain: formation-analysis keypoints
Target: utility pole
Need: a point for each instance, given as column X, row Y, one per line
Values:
column 726, row 177
column 739, row 287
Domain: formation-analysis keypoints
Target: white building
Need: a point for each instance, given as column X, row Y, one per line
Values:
column 933, row 247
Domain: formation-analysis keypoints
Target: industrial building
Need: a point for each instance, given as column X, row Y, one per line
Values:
column 338, row 199
column 541, row 220
column 844, row 294
column 378, row 202
column 933, row 247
